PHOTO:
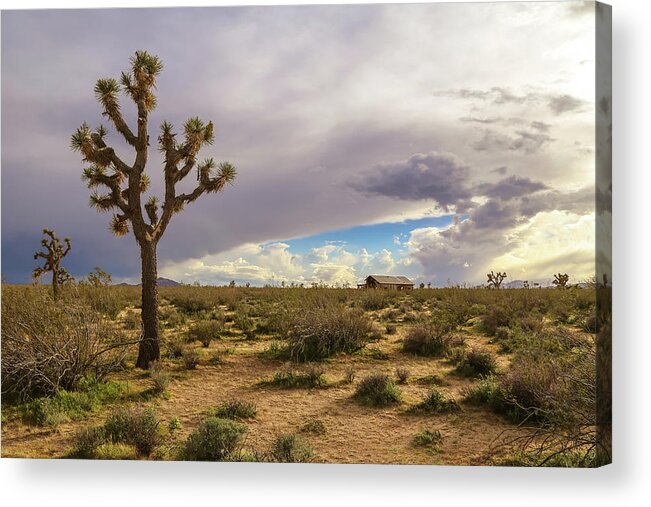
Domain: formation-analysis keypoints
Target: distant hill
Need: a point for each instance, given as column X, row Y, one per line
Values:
column 166, row 282
column 162, row 282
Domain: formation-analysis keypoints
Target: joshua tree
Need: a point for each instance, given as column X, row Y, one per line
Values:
column 124, row 184
column 495, row 279
column 99, row 278
column 560, row 280
column 56, row 251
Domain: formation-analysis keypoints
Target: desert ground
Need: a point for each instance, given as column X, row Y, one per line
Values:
column 458, row 376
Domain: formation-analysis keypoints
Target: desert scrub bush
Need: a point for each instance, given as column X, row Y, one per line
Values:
column 86, row 441
column 159, row 376
column 206, row 331
column 497, row 316
column 436, row 402
column 106, row 300
column 476, row 362
column 565, row 458
column 290, row 448
column 314, row 426
column 310, row 376
column 373, row 300
column 48, row 346
column 135, row 426
column 235, row 409
column 174, row 346
column 430, row 339
column 377, row 390
column 428, row 438
column 131, row 319
column 172, row 318
column 191, row 305
column 349, row 374
column 113, row 451
column 190, row 358
column 214, row 439
column 245, row 323
column 402, row 374
column 323, row 331
column 65, row 406
column 392, row 315
column 488, row 391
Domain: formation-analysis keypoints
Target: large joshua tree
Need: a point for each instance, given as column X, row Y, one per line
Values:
column 55, row 251
column 123, row 185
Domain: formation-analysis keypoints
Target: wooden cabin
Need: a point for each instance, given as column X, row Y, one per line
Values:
column 386, row 282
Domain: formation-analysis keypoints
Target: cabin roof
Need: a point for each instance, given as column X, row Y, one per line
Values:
column 388, row 279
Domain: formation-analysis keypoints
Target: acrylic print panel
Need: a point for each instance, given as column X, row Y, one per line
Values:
column 331, row 234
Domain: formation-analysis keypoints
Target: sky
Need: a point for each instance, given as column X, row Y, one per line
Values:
column 435, row 141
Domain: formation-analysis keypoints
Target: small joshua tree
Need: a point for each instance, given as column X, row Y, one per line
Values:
column 124, row 184
column 99, row 278
column 55, row 252
column 495, row 279
column 560, row 280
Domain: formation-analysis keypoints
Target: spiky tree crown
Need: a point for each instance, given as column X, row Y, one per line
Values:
column 117, row 186
column 54, row 251
column 495, row 279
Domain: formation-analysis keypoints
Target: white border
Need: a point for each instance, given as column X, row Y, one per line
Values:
column 68, row 483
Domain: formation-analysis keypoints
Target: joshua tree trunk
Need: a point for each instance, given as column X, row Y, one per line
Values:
column 149, row 349
column 55, row 283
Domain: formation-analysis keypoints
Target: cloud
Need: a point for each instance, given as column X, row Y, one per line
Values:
column 440, row 177
column 497, row 95
column 301, row 100
column 560, row 104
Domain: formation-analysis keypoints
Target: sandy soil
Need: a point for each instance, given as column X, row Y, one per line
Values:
column 354, row 433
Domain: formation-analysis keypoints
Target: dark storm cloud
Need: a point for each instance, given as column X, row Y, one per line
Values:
column 508, row 188
column 437, row 176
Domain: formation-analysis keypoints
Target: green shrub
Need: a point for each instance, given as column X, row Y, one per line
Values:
column 172, row 318
column 214, row 439
column 191, row 305
column 131, row 320
column 290, row 448
column 190, row 358
column 314, row 426
column 235, row 409
column 135, row 426
column 86, row 441
column 488, row 391
column 245, row 324
column 377, row 390
column 496, row 317
column 174, row 346
column 476, row 362
column 428, row 438
column 402, row 374
column 159, row 376
column 430, row 339
column 311, row 376
column 205, row 331
column 48, row 346
column 374, row 300
column 323, row 331
column 65, row 406
column 436, row 402
column 113, row 451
